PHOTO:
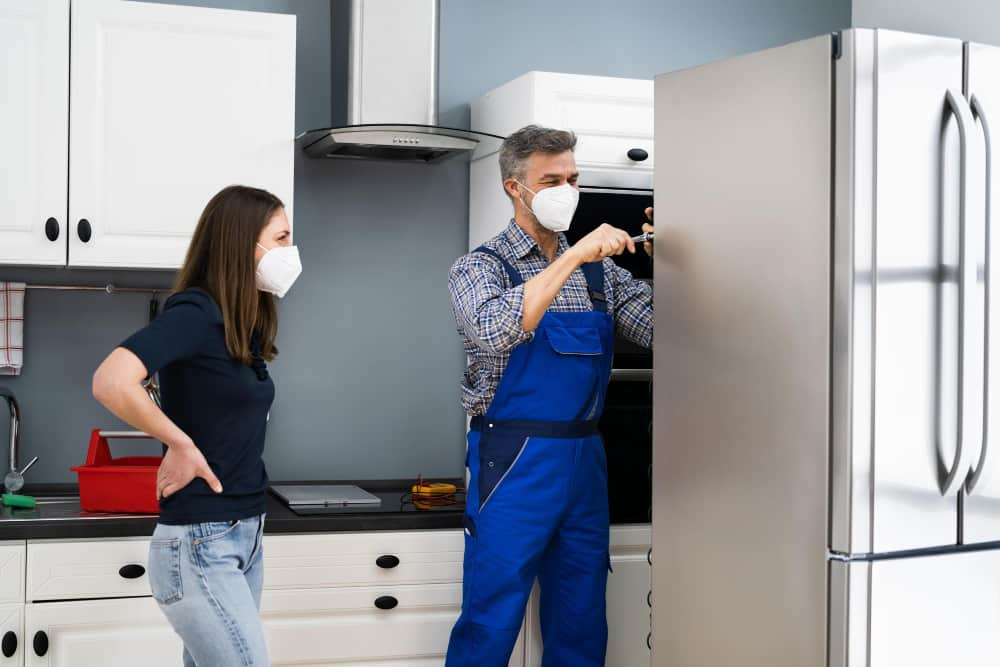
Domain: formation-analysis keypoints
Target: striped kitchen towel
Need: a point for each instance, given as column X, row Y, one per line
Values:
column 11, row 328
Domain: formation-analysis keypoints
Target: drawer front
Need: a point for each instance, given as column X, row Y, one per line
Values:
column 82, row 569
column 344, row 626
column 12, row 556
column 357, row 559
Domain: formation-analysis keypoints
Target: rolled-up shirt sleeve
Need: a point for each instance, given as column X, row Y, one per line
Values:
column 633, row 305
column 486, row 309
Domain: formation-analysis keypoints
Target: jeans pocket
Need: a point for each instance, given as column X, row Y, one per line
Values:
column 498, row 454
column 165, row 570
column 213, row 530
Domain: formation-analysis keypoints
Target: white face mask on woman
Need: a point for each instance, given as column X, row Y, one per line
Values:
column 553, row 207
column 278, row 269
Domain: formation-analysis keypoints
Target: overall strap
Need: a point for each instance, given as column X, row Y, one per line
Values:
column 512, row 273
column 594, row 273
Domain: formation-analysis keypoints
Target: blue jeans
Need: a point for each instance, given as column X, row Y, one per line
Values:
column 207, row 579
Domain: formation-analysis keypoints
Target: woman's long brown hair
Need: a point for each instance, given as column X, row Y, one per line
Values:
column 220, row 260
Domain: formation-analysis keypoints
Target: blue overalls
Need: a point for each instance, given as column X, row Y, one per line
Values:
column 537, row 502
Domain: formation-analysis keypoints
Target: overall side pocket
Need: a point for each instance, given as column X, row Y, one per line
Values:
column 498, row 454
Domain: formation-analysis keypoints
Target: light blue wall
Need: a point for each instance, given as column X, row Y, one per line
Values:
column 485, row 43
column 367, row 377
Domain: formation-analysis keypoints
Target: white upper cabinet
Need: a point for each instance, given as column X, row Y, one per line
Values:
column 34, row 108
column 612, row 118
column 169, row 105
column 151, row 111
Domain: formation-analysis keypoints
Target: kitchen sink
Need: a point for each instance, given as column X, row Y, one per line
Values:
column 57, row 508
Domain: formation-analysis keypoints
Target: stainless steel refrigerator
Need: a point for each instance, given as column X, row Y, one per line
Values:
column 826, row 466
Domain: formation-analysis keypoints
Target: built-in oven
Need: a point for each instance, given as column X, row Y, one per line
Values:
column 626, row 425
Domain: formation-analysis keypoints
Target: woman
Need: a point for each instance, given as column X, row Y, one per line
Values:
column 210, row 346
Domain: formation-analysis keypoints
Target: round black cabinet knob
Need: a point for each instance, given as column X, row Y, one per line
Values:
column 386, row 602
column 52, row 229
column 40, row 643
column 83, row 230
column 9, row 644
column 637, row 154
column 387, row 562
column 132, row 571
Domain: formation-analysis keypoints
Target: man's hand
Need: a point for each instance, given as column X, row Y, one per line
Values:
column 602, row 242
column 648, row 245
column 181, row 464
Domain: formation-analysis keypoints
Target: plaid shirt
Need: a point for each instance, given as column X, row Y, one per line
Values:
column 488, row 310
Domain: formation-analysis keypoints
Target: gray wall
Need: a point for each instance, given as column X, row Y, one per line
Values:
column 369, row 365
column 971, row 20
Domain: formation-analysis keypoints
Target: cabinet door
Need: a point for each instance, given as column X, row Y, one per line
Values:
column 610, row 116
column 12, row 558
column 12, row 646
column 34, row 71
column 101, row 632
column 628, row 595
column 169, row 105
column 628, row 609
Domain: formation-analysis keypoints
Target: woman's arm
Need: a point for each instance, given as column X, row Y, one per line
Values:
column 118, row 386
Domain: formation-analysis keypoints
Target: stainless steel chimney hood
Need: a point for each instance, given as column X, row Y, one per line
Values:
column 390, row 72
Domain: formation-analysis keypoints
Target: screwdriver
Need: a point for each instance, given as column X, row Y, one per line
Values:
column 643, row 238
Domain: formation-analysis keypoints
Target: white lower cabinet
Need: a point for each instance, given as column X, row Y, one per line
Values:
column 85, row 633
column 381, row 599
column 628, row 606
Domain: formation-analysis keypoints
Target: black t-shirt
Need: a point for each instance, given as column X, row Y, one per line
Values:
column 219, row 402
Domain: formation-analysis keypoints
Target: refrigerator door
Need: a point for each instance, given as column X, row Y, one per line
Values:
column 918, row 612
column 907, row 370
column 742, row 359
column 981, row 520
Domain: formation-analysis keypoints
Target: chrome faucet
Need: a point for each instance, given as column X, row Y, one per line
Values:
column 14, row 479
column 15, row 423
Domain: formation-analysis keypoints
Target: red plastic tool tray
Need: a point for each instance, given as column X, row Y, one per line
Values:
column 126, row 484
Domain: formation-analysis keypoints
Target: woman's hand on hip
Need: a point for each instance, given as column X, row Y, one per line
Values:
column 181, row 464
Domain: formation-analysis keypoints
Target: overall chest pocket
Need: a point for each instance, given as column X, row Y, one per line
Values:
column 574, row 341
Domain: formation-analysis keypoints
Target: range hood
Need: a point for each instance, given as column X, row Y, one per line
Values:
column 385, row 58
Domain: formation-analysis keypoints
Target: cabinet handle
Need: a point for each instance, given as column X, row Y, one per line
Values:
column 83, row 230
column 649, row 641
column 132, row 571
column 52, row 229
column 649, row 599
column 637, row 154
column 40, row 643
column 9, row 644
column 386, row 602
column 387, row 562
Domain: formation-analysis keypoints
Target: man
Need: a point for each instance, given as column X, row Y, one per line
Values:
column 538, row 320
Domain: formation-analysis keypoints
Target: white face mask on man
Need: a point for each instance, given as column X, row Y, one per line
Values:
column 278, row 269
column 553, row 207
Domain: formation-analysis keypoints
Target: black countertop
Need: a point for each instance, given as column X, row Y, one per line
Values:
column 58, row 515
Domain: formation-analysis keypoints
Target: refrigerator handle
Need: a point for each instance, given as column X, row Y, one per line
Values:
column 955, row 475
column 978, row 113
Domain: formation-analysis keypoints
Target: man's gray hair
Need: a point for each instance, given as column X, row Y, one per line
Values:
column 519, row 146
